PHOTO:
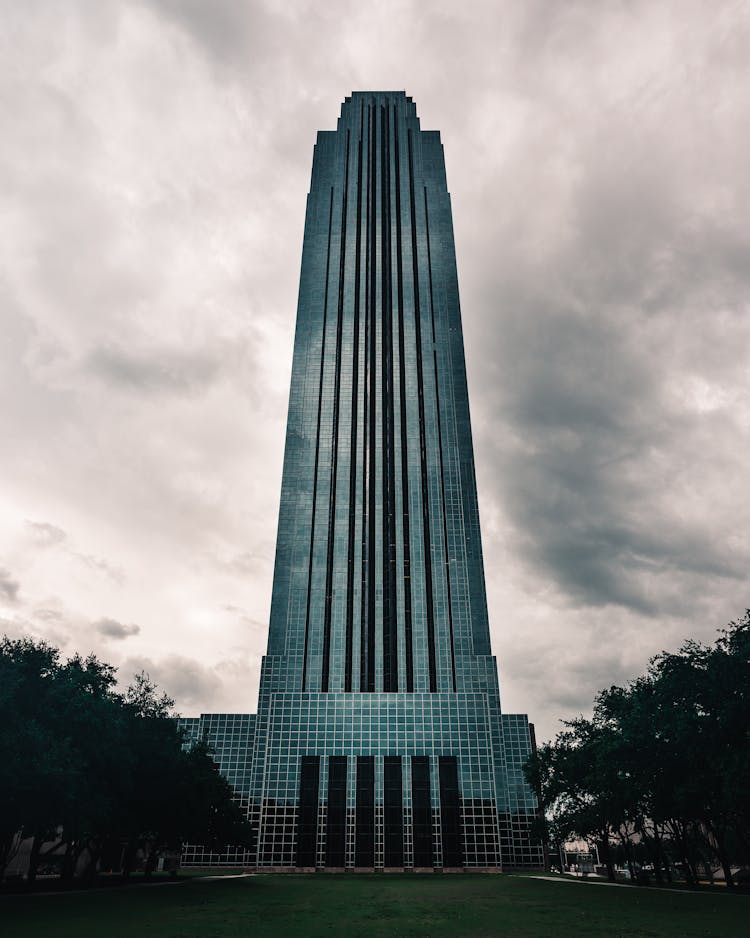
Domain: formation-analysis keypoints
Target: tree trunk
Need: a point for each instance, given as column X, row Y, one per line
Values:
column 8, row 849
column 150, row 863
column 691, row 874
column 627, row 848
column 723, row 855
column 663, row 847
column 658, row 855
column 727, row 870
column 154, row 859
column 606, row 852
column 707, row 867
column 92, row 866
column 70, row 859
column 726, row 864
column 128, row 859
column 36, row 847
column 680, row 841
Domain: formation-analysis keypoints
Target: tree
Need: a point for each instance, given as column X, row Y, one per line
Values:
column 178, row 793
column 582, row 788
column 82, row 764
column 663, row 762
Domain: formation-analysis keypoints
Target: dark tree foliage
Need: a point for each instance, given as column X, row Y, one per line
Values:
column 660, row 770
column 85, row 766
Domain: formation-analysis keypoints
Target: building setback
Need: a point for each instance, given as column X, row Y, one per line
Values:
column 379, row 740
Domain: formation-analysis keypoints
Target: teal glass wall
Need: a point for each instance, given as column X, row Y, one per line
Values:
column 230, row 737
column 379, row 581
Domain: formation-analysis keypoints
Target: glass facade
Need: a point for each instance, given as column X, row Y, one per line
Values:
column 230, row 736
column 379, row 741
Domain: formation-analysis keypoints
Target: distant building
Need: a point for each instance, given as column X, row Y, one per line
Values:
column 231, row 736
column 379, row 741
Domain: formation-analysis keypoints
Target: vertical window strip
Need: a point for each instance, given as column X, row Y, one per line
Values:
column 440, row 446
column 390, row 645
column 371, row 508
column 404, row 440
column 393, row 812
column 364, row 656
column 336, row 813
column 450, row 812
column 354, row 423
column 307, row 827
column 335, row 435
column 317, row 451
column 364, row 851
column 422, row 441
column 421, row 811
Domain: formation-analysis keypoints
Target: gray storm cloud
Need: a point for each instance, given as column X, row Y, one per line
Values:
column 45, row 534
column 8, row 586
column 154, row 169
column 111, row 628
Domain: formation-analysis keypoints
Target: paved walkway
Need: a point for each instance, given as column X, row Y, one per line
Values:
column 579, row 879
column 606, row 882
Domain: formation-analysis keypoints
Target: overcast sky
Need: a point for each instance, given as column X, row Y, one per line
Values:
column 154, row 163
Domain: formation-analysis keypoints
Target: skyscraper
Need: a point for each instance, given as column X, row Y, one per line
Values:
column 379, row 740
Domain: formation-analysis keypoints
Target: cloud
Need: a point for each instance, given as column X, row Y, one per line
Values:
column 247, row 621
column 48, row 615
column 191, row 683
column 46, row 534
column 153, row 370
column 155, row 167
column 248, row 562
column 103, row 566
column 111, row 628
column 8, row 586
column 226, row 31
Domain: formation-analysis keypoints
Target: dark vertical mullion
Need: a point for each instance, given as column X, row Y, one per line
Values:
column 307, row 827
column 354, row 424
column 422, row 441
column 371, row 507
column 335, row 435
column 393, row 812
column 317, row 450
column 450, row 811
column 393, row 624
column 364, row 848
column 336, row 811
column 404, row 439
column 390, row 653
column 392, row 559
column 421, row 811
column 364, row 609
column 440, row 447
column 384, row 336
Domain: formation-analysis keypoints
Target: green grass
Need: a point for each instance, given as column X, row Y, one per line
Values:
column 376, row 906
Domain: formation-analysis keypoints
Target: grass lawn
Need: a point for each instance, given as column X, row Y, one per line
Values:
column 376, row 906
